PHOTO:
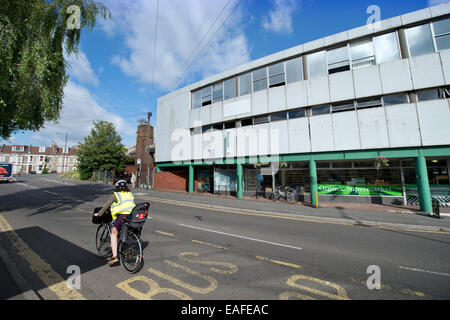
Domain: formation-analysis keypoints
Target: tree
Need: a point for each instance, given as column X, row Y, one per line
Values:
column 33, row 35
column 101, row 150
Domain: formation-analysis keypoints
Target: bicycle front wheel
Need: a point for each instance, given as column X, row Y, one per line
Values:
column 291, row 197
column 131, row 254
column 103, row 242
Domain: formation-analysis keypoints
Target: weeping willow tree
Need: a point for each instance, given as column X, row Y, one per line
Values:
column 33, row 37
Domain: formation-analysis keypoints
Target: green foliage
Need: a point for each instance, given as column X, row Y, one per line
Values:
column 33, row 34
column 45, row 170
column 74, row 175
column 101, row 150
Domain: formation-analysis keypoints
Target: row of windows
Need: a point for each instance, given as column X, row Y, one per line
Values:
column 422, row 39
column 387, row 100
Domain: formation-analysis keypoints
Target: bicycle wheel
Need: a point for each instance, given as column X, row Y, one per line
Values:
column 291, row 197
column 130, row 253
column 103, row 242
column 274, row 196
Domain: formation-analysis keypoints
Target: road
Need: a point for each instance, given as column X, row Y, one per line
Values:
column 211, row 254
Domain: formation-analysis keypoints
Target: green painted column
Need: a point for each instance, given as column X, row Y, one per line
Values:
column 423, row 185
column 313, row 182
column 158, row 169
column 240, row 191
column 191, row 179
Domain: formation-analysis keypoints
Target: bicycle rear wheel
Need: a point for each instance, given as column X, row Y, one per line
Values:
column 131, row 254
column 103, row 242
column 291, row 197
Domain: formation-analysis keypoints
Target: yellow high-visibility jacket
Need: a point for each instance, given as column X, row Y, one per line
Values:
column 124, row 206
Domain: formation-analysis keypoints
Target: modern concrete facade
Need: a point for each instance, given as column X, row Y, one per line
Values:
column 328, row 107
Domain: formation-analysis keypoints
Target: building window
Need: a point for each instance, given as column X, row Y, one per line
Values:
column 245, row 84
column 316, row 64
column 338, row 60
column 41, row 149
column 430, row 94
column 276, row 75
column 218, row 126
column 368, row 103
column 246, row 122
column 320, row 110
column 392, row 99
column 206, row 96
column 41, row 158
column 294, row 70
column 260, row 120
column 442, row 34
column 278, row 116
column 300, row 113
column 206, row 129
column 40, row 167
column 349, row 106
column 420, row 41
column 218, row 92
column 386, row 48
column 19, row 149
column 259, row 79
column 31, row 158
column 362, row 54
column 230, row 125
column 229, row 88
column 196, row 99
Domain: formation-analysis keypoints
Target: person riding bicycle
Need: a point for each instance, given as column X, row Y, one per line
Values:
column 121, row 203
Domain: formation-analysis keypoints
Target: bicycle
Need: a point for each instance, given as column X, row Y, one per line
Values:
column 129, row 246
column 287, row 193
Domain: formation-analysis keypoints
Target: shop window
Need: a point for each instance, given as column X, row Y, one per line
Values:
column 408, row 164
column 364, row 164
column 369, row 103
column 229, row 89
column 386, row 48
column 259, row 79
column 323, row 165
column 246, row 122
column 218, row 92
column 278, row 116
column 206, row 96
column 276, row 75
column 362, row 54
column 392, row 99
column 230, row 125
column 260, row 120
column 300, row 165
column 341, row 164
column 343, row 107
column 316, row 64
column 419, row 40
column 442, row 34
column 320, row 110
column 294, row 70
column 196, row 99
column 245, row 84
column 430, row 94
column 338, row 60
column 300, row 113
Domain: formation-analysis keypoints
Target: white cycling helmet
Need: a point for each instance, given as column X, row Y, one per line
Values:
column 121, row 184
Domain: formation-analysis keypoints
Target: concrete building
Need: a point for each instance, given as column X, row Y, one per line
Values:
column 317, row 116
column 26, row 159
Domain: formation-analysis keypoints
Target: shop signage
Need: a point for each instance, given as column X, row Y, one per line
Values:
column 360, row 190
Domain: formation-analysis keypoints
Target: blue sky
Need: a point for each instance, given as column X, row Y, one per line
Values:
column 116, row 78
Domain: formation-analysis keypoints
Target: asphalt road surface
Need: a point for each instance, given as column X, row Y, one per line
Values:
column 199, row 254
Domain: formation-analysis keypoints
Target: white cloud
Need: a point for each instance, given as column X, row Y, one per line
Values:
column 79, row 110
column 279, row 19
column 81, row 69
column 436, row 2
column 181, row 26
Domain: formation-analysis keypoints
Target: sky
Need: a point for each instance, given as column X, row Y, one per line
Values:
column 150, row 48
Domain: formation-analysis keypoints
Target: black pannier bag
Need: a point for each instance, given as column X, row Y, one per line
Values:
column 106, row 217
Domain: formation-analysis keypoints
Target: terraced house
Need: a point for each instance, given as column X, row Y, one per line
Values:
column 322, row 117
column 26, row 159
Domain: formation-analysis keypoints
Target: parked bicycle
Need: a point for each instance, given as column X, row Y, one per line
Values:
column 130, row 251
column 287, row 193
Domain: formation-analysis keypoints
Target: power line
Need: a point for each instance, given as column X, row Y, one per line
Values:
column 154, row 48
column 201, row 40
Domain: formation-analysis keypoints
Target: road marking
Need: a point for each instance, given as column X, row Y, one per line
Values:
column 44, row 271
column 414, row 293
column 209, row 244
column 288, row 217
column 242, row 237
column 212, row 281
column 232, row 268
column 154, row 290
column 70, row 184
column 287, row 264
column 50, row 192
column 164, row 233
column 33, row 187
column 288, row 294
column 341, row 293
column 426, row 271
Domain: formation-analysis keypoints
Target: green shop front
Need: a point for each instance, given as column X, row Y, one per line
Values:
column 409, row 176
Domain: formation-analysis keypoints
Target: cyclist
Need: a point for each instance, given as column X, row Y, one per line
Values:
column 121, row 203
